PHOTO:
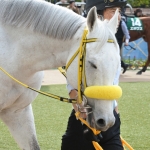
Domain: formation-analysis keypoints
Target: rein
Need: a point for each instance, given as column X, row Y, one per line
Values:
column 131, row 47
column 38, row 91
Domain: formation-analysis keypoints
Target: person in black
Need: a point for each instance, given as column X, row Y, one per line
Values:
column 78, row 136
column 75, row 137
column 120, row 37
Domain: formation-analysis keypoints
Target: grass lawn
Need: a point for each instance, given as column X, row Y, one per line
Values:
column 51, row 118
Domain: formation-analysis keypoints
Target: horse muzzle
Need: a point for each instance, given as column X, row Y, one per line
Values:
column 102, row 118
column 101, row 123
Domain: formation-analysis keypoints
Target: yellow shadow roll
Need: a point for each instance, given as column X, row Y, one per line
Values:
column 103, row 92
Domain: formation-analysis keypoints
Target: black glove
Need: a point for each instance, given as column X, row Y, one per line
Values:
column 89, row 135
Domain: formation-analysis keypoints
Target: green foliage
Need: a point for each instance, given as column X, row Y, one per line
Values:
column 139, row 3
column 135, row 64
column 134, row 3
column 51, row 118
column 58, row 1
column 49, row 1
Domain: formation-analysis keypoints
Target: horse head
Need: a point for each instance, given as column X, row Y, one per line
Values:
column 102, row 61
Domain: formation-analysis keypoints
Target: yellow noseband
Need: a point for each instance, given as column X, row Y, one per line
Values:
column 103, row 92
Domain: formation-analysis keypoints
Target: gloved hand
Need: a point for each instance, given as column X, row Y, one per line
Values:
column 89, row 135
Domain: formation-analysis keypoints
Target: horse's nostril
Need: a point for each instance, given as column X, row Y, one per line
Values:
column 101, row 122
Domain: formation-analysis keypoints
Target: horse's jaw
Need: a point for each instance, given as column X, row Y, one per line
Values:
column 102, row 117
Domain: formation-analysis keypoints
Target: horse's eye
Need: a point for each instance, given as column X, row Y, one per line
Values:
column 93, row 65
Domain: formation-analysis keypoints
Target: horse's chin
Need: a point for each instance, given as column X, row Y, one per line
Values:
column 93, row 125
column 103, row 128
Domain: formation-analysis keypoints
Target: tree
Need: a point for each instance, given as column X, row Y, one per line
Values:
column 67, row 0
column 139, row 3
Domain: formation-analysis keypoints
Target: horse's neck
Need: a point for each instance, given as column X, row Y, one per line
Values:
column 134, row 35
column 38, row 52
column 141, row 34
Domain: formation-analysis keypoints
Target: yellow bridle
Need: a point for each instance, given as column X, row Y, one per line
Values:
column 106, row 92
column 81, row 73
column 81, row 52
column 98, row 92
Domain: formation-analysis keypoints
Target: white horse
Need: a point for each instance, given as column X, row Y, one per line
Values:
column 36, row 36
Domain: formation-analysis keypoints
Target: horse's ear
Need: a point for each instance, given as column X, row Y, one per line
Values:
column 114, row 23
column 91, row 18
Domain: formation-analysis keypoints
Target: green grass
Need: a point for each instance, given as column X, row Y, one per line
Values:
column 51, row 118
column 134, row 108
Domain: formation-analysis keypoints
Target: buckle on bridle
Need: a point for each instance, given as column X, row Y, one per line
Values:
column 85, row 108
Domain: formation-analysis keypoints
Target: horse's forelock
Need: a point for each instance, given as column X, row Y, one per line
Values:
column 102, row 33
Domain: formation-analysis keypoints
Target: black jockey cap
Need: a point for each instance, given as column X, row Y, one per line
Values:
column 102, row 4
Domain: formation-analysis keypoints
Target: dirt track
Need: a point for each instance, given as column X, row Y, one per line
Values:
column 55, row 77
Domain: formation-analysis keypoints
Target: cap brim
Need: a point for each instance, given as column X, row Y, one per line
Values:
column 98, row 6
column 117, row 4
column 103, row 6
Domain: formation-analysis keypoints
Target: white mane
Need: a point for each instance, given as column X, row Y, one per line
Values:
column 39, row 16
